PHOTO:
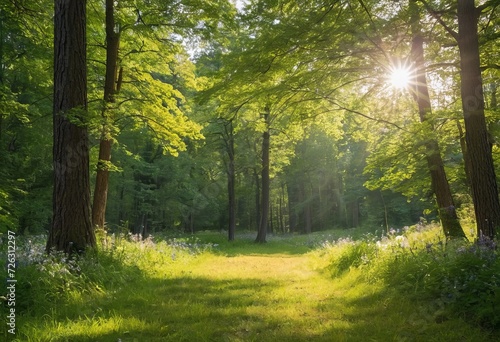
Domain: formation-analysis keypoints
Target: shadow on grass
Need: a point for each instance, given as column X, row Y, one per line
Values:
column 179, row 309
column 133, row 306
column 200, row 309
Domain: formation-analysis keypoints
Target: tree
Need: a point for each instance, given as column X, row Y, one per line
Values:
column 440, row 186
column 227, row 136
column 71, row 227
column 111, row 86
column 265, row 181
column 479, row 147
column 145, row 54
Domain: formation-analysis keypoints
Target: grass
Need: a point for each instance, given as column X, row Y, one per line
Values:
column 203, row 288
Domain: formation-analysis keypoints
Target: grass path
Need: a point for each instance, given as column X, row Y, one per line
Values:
column 288, row 293
column 286, row 299
column 261, row 295
column 279, row 297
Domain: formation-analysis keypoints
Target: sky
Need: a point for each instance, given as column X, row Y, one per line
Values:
column 239, row 4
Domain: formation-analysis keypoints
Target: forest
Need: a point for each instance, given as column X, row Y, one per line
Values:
column 193, row 128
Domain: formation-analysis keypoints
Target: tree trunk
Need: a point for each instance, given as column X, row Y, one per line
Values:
column 231, row 179
column 71, row 225
column 482, row 172
column 110, row 89
column 440, row 186
column 465, row 154
column 101, row 184
column 281, row 213
column 257, row 197
column 265, row 191
column 270, row 226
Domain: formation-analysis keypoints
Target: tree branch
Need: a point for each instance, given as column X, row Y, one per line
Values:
column 366, row 116
column 490, row 3
column 437, row 16
column 490, row 66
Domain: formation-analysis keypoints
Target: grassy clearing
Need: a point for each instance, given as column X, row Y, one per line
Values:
column 204, row 288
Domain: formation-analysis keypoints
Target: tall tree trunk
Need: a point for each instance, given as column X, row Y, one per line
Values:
column 265, row 191
column 293, row 200
column 71, row 225
column 257, row 197
column 110, row 89
column 465, row 154
column 440, row 186
column 281, row 213
column 482, row 172
column 270, row 226
column 231, row 179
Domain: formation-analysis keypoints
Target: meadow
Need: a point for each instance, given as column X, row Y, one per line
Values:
column 338, row 285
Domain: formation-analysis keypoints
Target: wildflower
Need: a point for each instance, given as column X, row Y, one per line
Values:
column 402, row 241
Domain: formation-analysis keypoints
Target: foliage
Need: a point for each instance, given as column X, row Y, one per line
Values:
column 457, row 279
column 25, row 132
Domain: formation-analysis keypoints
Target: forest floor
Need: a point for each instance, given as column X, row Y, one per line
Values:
column 245, row 292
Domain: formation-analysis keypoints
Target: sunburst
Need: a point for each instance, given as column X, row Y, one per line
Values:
column 400, row 76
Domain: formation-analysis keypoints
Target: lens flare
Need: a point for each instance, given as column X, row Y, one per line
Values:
column 400, row 77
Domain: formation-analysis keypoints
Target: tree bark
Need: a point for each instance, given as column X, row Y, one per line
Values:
column 440, row 186
column 231, row 180
column 265, row 191
column 482, row 172
column 465, row 154
column 257, row 196
column 110, row 90
column 281, row 213
column 71, row 229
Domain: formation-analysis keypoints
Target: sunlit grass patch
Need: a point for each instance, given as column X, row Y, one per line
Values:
column 454, row 279
column 83, row 329
column 195, row 288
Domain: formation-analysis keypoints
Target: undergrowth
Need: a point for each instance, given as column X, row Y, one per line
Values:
column 456, row 278
column 129, row 287
column 55, row 285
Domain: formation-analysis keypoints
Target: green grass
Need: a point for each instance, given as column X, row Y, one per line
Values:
column 203, row 288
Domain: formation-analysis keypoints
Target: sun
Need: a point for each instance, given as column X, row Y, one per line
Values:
column 400, row 77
